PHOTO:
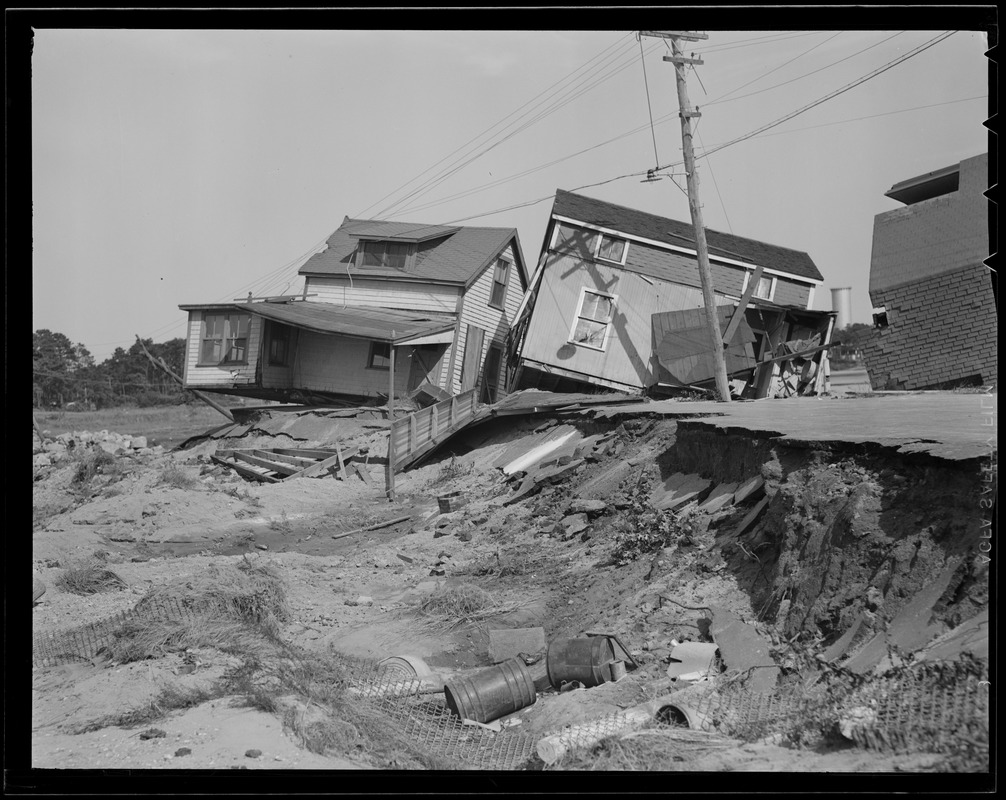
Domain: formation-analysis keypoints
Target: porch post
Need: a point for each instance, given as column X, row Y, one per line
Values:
column 391, row 418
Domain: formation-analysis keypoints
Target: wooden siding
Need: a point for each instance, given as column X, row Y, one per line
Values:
column 328, row 363
column 475, row 310
column 230, row 375
column 628, row 358
column 791, row 293
column 404, row 295
column 664, row 265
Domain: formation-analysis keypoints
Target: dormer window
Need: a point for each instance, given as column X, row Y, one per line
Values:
column 389, row 255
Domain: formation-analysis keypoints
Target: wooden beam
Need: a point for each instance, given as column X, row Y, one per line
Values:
column 683, row 60
column 687, row 35
column 248, row 472
column 200, row 395
column 321, row 466
column 265, row 463
column 738, row 315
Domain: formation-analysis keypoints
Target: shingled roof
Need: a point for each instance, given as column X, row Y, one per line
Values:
column 452, row 255
column 682, row 234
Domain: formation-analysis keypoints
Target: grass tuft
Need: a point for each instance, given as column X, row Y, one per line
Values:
column 448, row 608
column 94, row 462
column 176, row 477
column 89, row 577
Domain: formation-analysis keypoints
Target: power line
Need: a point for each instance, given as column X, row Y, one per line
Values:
column 829, row 96
column 649, row 106
column 776, row 69
column 660, row 121
column 538, row 99
column 579, row 92
column 723, row 99
column 771, row 38
column 870, row 116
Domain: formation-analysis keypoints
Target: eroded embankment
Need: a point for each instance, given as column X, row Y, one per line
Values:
column 855, row 539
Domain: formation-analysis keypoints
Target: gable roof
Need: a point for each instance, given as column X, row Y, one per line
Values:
column 682, row 234
column 445, row 254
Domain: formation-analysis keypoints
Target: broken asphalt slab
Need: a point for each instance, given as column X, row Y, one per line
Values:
column 946, row 425
column 742, row 648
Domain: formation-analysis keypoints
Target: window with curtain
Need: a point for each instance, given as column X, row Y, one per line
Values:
column 593, row 319
column 224, row 339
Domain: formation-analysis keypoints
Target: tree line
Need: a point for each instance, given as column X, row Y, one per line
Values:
column 66, row 375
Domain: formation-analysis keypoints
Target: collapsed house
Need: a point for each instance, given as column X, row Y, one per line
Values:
column 616, row 303
column 934, row 307
column 433, row 303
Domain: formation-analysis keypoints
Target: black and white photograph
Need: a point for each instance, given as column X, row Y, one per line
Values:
column 493, row 394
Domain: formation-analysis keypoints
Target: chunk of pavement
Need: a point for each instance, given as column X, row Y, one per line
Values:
column 722, row 495
column 691, row 657
column 574, row 524
column 911, row 628
column 507, row 644
column 590, row 507
column 968, row 637
column 743, row 648
column 750, row 517
column 37, row 588
column 679, row 489
column 750, row 488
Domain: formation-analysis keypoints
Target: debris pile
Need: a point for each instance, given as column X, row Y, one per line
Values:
column 47, row 451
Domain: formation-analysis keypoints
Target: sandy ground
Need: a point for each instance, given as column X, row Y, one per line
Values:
column 360, row 594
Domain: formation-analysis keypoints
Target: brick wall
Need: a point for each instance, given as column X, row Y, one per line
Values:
column 932, row 236
column 940, row 328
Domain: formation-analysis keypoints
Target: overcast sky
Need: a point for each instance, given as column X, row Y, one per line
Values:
column 173, row 167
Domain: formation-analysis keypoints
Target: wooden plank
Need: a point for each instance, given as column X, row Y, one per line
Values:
column 248, row 472
column 363, row 473
column 342, row 463
column 376, row 526
column 306, row 452
column 738, row 314
column 297, row 461
column 273, row 466
column 321, row 466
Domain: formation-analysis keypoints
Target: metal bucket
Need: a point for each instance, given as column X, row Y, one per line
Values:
column 585, row 660
column 492, row 693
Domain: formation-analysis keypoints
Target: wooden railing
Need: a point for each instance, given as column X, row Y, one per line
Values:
column 416, row 434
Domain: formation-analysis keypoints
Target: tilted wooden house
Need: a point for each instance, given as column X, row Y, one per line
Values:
column 616, row 303
column 443, row 297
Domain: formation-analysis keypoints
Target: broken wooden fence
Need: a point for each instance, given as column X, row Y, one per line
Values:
column 413, row 436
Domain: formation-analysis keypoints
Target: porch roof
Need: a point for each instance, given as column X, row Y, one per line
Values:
column 376, row 324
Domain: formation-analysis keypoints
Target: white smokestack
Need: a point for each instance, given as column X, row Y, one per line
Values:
column 841, row 304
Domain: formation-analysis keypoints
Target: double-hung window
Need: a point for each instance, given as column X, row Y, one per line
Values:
column 500, row 277
column 390, row 255
column 593, row 319
column 611, row 249
column 224, row 339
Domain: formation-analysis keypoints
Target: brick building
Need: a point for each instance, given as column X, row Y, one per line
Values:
column 935, row 313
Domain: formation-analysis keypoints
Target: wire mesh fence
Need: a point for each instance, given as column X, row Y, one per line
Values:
column 939, row 707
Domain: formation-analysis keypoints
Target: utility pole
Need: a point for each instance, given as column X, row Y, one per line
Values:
column 705, row 275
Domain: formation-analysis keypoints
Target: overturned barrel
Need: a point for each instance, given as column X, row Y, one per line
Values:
column 492, row 693
column 585, row 660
